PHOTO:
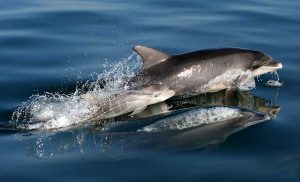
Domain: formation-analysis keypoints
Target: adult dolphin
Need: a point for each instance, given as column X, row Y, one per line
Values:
column 208, row 70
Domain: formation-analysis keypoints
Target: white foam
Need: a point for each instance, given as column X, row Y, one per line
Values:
column 193, row 118
column 53, row 110
column 274, row 83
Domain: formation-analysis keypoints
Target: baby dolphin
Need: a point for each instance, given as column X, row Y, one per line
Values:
column 134, row 101
column 208, row 70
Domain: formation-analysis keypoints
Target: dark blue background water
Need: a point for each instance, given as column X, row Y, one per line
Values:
column 51, row 45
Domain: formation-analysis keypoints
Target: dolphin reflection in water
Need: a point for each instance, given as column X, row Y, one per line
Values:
column 191, row 123
column 241, row 99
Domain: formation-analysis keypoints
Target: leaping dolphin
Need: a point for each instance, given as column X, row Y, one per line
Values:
column 208, row 70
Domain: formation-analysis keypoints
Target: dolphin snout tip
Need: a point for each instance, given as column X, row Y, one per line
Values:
column 277, row 64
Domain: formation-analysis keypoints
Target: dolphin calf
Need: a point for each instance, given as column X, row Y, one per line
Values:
column 88, row 107
column 134, row 101
column 208, row 70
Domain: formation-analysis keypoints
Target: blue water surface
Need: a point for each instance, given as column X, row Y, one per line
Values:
column 51, row 46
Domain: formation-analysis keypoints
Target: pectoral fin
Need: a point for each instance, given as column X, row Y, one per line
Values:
column 138, row 110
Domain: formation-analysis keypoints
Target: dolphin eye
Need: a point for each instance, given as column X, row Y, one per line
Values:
column 155, row 95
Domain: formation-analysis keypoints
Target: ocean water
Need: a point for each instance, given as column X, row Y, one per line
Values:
column 57, row 46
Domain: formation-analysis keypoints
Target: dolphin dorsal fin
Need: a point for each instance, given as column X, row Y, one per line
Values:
column 150, row 56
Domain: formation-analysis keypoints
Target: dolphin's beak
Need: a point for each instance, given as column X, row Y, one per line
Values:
column 274, row 64
column 268, row 67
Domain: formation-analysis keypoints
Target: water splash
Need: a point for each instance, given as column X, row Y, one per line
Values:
column 55, row 110
column 274, row 82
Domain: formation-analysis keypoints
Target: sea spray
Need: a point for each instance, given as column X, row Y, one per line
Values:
column 274, row 82
column 56, row 110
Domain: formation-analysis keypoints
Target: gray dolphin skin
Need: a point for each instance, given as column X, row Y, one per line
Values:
column 201, row 71
column 241, row 99
column 225, row 98
column 134, row 101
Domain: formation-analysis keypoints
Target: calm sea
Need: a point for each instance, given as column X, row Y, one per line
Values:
column 54, row 46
